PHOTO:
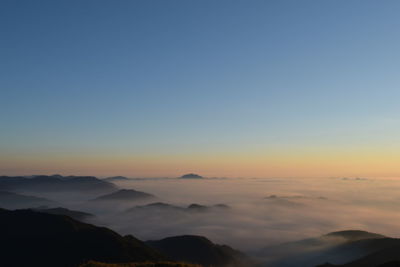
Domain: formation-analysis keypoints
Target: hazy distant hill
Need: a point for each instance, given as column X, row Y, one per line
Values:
column 378, row 252
column 337, row 247
column 388, row 256
column 200, row 250
column 56, row 183
column 125, row 194
column 10, row 200
column 78, row 215
column 30, row 238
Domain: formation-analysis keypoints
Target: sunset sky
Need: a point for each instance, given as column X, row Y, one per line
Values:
column 221, row 88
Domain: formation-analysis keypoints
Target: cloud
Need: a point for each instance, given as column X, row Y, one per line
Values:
column 301, row 208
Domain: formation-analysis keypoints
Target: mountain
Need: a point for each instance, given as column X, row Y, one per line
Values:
column 336, row 247
column 191, row 176
column 377, row 253
column 56, row 183
column 10, row 200
column 386, row 257
column 31, row 238
column 201, row 208
column 197, row 207
column 116, row 178
column 200, row 250
column 125, row 194
column 77, row 215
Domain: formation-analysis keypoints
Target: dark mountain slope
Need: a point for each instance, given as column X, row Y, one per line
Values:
column 30, row 238
column 200, row 250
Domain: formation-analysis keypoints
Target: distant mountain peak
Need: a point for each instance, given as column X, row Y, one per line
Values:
column 191, row 176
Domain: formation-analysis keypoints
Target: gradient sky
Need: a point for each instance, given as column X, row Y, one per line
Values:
column 222, row 88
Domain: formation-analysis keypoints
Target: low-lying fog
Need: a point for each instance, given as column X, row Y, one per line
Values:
column 262, row 211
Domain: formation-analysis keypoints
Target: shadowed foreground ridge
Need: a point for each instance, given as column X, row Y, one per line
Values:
column 200, row 250
column 31, row 238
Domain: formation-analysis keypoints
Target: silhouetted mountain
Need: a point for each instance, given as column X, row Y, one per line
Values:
column 337, row 247
column 200, row 250
column 31, row 238
column 191, row 176
column 78, row 215
column 125, row 194
column 116, row 178
column 10, row 200
column 43, row 183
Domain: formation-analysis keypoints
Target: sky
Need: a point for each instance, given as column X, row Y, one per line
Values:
column 226, row 88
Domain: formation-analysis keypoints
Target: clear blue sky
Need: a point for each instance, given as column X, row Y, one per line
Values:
column 192, row 78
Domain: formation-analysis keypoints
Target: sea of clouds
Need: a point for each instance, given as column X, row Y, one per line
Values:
column 262, row 212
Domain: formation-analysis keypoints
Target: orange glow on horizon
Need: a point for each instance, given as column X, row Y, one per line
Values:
column 300, row 163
